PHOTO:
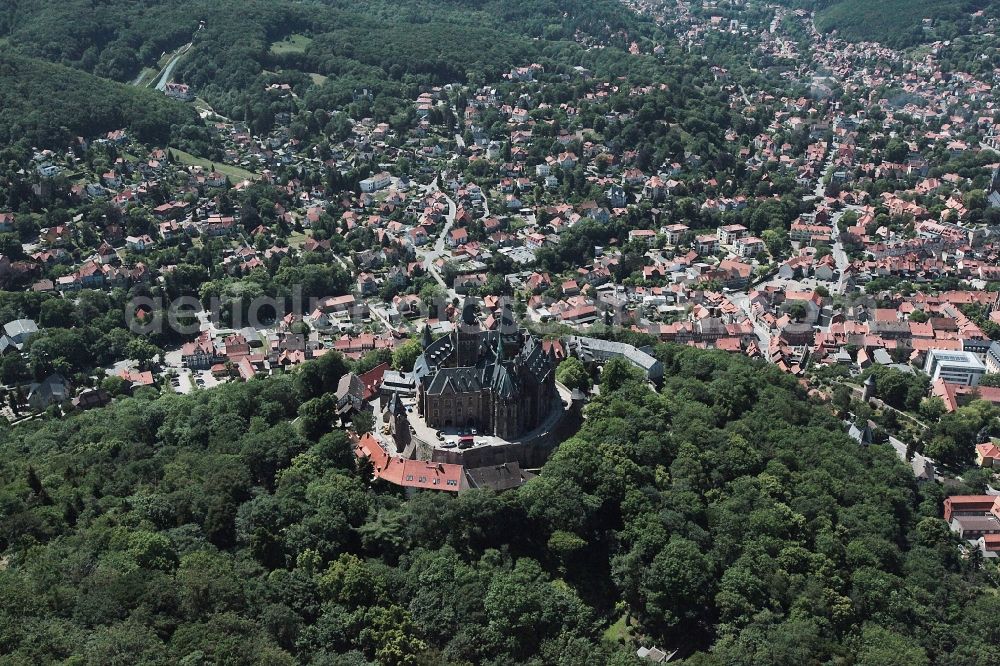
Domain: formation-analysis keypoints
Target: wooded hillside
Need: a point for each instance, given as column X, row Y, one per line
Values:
column 897, row 23
column 724, row 514
column 47, row 105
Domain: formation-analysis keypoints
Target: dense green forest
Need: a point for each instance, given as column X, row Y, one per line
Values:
column 115, row 38
column 724, row 513
column 897, row 23
column 47, row 105
column 418, row 42
column 324, row 50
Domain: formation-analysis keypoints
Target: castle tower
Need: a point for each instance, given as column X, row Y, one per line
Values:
column 467, row 337
column 399, row 426
column 869, row 389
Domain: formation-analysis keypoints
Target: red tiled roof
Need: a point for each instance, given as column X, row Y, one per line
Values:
column 372, row 380
column 988, row 450
column 977, row 503
column 410, row 473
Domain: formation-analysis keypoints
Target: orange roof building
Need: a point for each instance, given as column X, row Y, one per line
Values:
column 410, row 473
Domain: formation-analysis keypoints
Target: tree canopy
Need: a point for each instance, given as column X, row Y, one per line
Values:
column 724, row 513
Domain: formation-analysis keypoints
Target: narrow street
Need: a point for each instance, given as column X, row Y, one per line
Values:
column 839, row 254
column 742, row 301
column 430, row 256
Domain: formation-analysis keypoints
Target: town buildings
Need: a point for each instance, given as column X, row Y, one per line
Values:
column 954, row 367
column 976, row 518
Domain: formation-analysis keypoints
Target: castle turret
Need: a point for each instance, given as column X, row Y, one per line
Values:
column 399, row 425
column 869, row 390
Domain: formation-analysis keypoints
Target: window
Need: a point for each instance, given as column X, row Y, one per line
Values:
column 409, row 477
column 451, row 482
column 422, row 479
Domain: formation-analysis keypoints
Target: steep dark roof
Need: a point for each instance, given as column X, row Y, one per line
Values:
column 469, row 313
column 498, row 477
column 503, row 383
column 495, row 370
column 457, row 380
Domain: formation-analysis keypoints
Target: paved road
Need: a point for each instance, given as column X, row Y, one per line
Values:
column 161, row 83
column 746, row 98
column 742, row 301
column 429, row 256
column 839, row 255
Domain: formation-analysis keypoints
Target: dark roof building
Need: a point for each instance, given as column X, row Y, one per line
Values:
column 498, row 477
column 595, row 350
column 500, row 382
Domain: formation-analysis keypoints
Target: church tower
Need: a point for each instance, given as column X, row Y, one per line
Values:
column 468, row 336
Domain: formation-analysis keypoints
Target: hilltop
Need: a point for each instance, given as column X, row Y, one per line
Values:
column 48, row 104
column 721, row 511
column 323, row 48
column 899, row 23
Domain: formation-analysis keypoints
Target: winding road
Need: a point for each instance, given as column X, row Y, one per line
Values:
column 428, row 257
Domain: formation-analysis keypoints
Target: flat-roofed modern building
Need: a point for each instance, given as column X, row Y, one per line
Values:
column 595, row 350
column 993, row 358
column 954, row 367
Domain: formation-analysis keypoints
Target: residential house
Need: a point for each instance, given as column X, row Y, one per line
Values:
column 705, row 244
column 729, row 234
column 379, row 181
column 674, row 233
column 53, row 390
column 749, row 246
column 19, row 331
column 457, row 237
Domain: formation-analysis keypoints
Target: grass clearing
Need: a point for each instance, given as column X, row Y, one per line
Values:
column 291, row 44
column 617, row 633
column 146, row 77
column 296, row 239
column 318, row 79
column 202, row 105
column 235, row 173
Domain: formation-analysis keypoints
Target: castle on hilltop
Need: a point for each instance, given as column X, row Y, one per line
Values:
column 500, row 382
